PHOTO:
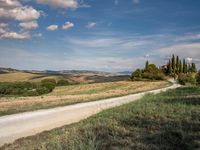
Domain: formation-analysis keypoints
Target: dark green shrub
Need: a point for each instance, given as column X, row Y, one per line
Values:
column 49, row 84
column 17, row 88
column 26, row 88
column 136, row 75
column 62, row 83
column 186, row 78
column 198, row 78
column 42, row 90
column 53, row 81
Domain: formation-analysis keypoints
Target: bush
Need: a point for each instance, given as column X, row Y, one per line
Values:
column 150, row 73
column 49, row 84
column 136, row 75
column 198, row 78
column 18, row 88
column 153, row 75
column 27, row 88
column 42, row 90
column 62, row 83
column 186, row 78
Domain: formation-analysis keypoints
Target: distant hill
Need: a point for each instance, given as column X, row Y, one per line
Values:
column 66, row 72
column 73, row 76
column 7, row 70
column 125, row 73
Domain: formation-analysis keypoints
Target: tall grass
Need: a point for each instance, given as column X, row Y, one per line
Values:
column 170, row 120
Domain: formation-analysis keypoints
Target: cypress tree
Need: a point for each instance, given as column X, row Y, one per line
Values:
column 180, row 67
column 186, row 68
column 184, row 64
column 177, row 64
column 169, row 67
column 147, row 66
column 189, row 68
column 193, row 68
column 173, row 64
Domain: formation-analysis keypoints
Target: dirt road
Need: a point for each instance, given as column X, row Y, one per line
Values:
column 16, row 126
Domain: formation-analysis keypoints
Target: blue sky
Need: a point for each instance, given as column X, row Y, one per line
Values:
column 106, row 35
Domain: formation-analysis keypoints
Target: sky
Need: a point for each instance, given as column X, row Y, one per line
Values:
column 104, row 35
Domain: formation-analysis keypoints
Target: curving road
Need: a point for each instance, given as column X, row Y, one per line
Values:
column 16, row 126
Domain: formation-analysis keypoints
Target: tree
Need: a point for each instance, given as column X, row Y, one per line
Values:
column 184, row 66
column 173, row 64
column 177, row 65
column 193, row 68
column 169, row 67
column 147, row 66
column 180, row 67
column 189, row 68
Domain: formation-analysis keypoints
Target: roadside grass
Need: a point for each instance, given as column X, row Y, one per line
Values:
column 73, row 94
column 166, row 121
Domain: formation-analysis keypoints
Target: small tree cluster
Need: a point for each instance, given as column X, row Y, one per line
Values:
column 27, row 88
column 150, row 72
column 177, row 66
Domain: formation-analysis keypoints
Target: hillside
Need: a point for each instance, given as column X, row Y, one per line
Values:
column 73, row 76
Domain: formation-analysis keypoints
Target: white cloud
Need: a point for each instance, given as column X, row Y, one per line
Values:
column 187, row 37
column 136, row 1
column 67, row 25
column 184, row 50
column 29, row 25
column 3, row 25
column 9, row 3
column 52, row 27
column 24, row 13
column 33, row 60
column 122, row 43
column 60, row 3
column 15, row 36
column 2, row 31
column 189, row 59
column 14, row 11
column 91, row 25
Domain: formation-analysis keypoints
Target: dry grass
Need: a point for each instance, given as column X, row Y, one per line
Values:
column 24, row 76
column 75, row 94
column 17, row 76
column 166, row 121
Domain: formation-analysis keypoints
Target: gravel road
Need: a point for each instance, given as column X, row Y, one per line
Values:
column 16, row 126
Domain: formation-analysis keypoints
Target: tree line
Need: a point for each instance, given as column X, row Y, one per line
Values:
column 176, row 66
column 185, row 72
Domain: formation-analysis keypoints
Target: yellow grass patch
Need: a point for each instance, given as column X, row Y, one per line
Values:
column 17, row 77
column 75, row 94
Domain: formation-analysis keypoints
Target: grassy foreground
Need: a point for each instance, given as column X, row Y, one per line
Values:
column 170, row 120
column 75, row 94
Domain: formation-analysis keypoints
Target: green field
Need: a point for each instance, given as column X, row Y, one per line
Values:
column 170, row 120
